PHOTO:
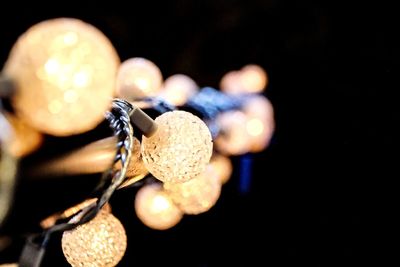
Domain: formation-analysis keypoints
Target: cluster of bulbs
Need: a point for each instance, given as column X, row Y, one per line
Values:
column 66, row 74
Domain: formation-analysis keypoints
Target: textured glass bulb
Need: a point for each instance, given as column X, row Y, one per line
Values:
column 253, row 79
column 178, row 88
column 138, row 78
column 99, row 243
column 180, row 149
column 230, row 83
column 222, row 166
column 65, row 71
column 260, row 123
column 233, row 138
column 25, row 139
column 197, row 195
column 155, row 209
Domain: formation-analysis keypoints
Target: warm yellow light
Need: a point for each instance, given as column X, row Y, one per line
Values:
column 233, row 138
column 230, row 83
column 63, row 68
column 254, row 127
column 197, row 195
column 260, row 122
column 9, row 265
column 178, row 88
column 222, row 167
column 25, row 139
column 180, row 149
column 100, row 242
column 155, row 209
column 253, row 79
column 138, row 78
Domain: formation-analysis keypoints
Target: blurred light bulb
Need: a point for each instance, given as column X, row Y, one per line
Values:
column 230, row 83
column 233, row 138
column 138, row 78
column 260, row 122
column 253, row 79
column 100, row 242
column 197, row 195
column 178, row 88
column 9, row 265
column 180, row 149
column 222, row 166
column 25, row 139
column 65, row 70
column 155, row 209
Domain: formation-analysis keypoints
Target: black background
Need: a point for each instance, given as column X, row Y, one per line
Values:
column 333, row 72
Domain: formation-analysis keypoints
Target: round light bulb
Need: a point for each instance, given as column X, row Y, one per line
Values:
column 180, row 149
column 9, row 265
column 197, row 195
column 100, row 242
column 260, row 123
column 25, row 139
column 138, row 78
column 230, row 83
column 178, row 88
column 233, row 138
column 155, row 209
column 65, row 71
column 222, row 166
column 253, row 79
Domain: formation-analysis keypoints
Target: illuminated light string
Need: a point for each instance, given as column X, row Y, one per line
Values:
column 176, row 148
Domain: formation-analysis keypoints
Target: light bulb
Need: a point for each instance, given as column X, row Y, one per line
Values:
column 233, row 138
column 99, row 243
column 25, row 139
column 222, row 166
column 155, row 209
column 9, row 265
column 197, row 195
column 260, row 123
column 178, row 88
column 253, row 79
column 65, row 71
column 180, row 149
column 138, row 78
column 230, row 83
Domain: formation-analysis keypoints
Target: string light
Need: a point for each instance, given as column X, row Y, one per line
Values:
column 100, row 242
column 155, row 209
column 66, row 72
column 138, row 78
column 197, row 195
column 180, row 149
column 63, row 68
column 9, row 265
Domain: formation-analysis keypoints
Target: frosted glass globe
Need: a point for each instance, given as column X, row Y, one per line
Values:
column 230, row 83
column 197, row 195
column 65, row 71
column 155, row 209
column 253, row 79
column 178, row 88
column 25, row 139
column 99, row 243
column 180, row 149
column 233, row 138
column 260, row 123
column 222, row 166
column 138, row 78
